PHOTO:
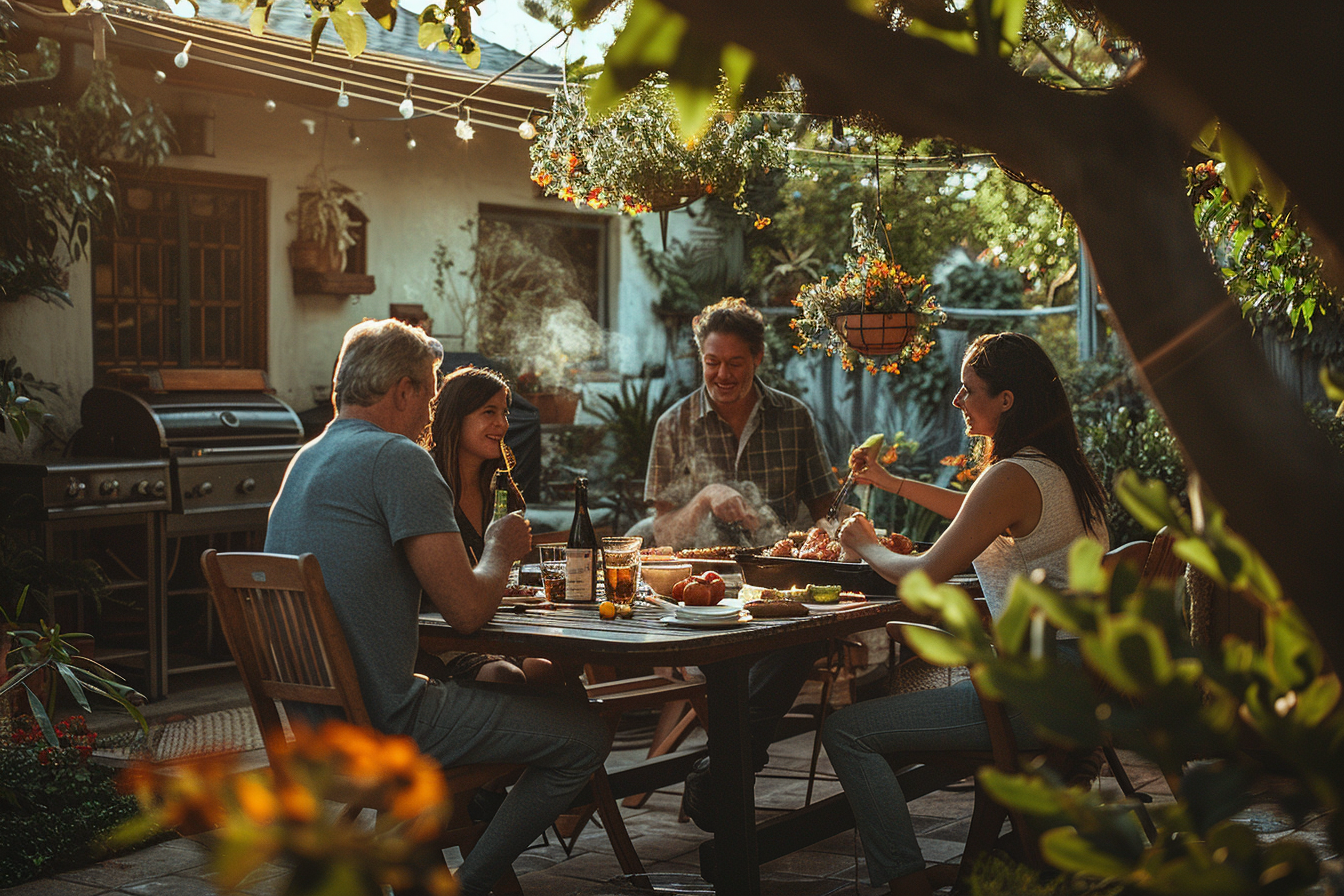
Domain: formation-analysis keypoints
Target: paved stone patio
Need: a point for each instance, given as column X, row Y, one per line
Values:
column 667, row 847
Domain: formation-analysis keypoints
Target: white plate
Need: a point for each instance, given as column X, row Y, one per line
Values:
column 740, row 619
column 724, row 608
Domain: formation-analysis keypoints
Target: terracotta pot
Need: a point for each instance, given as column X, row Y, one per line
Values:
column 877, row 334
column 306, row 255
column 556, row 407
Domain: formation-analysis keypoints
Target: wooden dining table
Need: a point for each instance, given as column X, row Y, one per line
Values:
column 574, row 635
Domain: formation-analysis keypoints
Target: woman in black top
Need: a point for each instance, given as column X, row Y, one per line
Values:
column 471, row 418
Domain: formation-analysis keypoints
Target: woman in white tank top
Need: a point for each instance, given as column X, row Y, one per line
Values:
column 1034, row 496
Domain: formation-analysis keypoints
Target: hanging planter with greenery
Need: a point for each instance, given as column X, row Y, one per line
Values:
column 876, row 314
column 634, row 158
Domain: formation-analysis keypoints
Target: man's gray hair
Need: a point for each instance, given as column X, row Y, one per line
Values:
column 375, row 355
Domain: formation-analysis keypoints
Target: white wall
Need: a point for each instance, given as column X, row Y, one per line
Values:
column 412, row 198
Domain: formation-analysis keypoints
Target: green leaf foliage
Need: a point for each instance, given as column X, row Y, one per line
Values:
column 1147, row 688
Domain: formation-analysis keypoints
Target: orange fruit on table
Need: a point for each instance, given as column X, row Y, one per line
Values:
column 606, row 609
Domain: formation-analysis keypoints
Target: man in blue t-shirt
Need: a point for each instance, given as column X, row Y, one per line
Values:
column 370, row 504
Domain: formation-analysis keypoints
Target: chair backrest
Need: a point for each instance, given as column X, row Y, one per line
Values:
column 278, row 619
column 1155, row 560
column 1163, row 565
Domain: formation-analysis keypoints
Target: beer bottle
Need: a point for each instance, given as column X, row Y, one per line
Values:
column 581, row 558
column 497, row 485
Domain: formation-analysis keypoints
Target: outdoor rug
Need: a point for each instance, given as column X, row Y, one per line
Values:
column 226, row 730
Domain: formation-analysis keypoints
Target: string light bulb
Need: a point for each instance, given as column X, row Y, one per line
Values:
column 463, row 127
column 526, row 129
column 342, row 98
column 354, row 138
column 410, row 138
column 269, row 105
column 181, row 59
column 159, row 76
column 406, row 107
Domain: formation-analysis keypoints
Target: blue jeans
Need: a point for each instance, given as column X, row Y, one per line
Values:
column 557, row 736
column 859, row 737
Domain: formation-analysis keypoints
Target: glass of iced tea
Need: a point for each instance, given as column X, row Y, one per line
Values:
column 553, row 571
column 620, row 562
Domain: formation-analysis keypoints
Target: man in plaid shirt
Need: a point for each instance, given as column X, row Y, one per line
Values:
column 734, row 455
column 737, row 453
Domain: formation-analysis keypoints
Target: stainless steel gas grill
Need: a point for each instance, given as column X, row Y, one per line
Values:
column 227, row 442
column 228, row 449
column 111, row 510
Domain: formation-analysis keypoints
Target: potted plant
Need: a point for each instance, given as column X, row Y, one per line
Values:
column 324, row 224
column 634, row 158
column 875, row 314
column 36, row 656
column 554, row 403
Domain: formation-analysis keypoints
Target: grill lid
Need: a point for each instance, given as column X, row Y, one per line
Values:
column 120, row 423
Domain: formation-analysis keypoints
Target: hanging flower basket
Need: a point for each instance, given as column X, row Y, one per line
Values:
column 875, row 314
column 634, row 157
column 876, row 334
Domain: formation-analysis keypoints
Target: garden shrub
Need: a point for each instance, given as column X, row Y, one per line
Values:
column 1124, row 438
column 54, row 803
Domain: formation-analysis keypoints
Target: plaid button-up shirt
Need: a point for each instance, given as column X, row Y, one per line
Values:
column 780, row 452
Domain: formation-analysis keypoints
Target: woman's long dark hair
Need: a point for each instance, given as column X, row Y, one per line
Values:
column 464, row 391
column 1040, row 417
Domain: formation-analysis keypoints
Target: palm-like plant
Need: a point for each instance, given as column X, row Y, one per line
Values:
column 631, row 417
column 29, row 651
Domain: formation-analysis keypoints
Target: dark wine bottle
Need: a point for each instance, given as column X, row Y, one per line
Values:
column 581, row 558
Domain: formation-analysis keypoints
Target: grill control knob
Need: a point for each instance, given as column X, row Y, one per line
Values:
column 75, row 488
column 204, row 489
column 109, row 487
column 141, row 488
column 159, row 489
column 247, row 486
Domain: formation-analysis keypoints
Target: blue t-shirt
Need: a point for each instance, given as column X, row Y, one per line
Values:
column 350, row 497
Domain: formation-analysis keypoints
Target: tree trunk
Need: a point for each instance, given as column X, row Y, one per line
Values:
column 1114, row 161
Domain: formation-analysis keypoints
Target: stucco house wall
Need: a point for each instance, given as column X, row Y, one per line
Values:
column 412, row 198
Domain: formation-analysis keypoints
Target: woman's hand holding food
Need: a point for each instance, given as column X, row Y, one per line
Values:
column 856, row 533
column 867, row 471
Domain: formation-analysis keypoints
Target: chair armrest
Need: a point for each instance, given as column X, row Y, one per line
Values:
column 894, row 629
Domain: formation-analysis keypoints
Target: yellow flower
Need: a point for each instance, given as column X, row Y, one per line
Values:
column 761, row 223
column 298, row 804
column 256, row 800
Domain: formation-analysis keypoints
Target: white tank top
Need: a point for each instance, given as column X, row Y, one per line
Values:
column 1045, row 547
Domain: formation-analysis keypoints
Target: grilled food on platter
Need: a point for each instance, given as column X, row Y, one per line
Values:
column 817, row 545
column 718, row 552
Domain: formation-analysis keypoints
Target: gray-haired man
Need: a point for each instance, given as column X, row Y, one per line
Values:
column 369, row 502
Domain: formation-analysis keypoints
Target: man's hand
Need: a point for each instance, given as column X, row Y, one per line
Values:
column 511, row 535
column 728, row 505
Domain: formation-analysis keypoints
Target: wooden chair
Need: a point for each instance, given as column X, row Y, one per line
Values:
column 279, row 622
column 1155, row 562
column 987, row 816
column 844, row 656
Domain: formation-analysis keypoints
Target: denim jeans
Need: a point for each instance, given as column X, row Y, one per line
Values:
column 859, row 737
column 557, row 736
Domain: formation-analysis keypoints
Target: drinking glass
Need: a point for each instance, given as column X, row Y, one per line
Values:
column 620, row 564
column 553, row 571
